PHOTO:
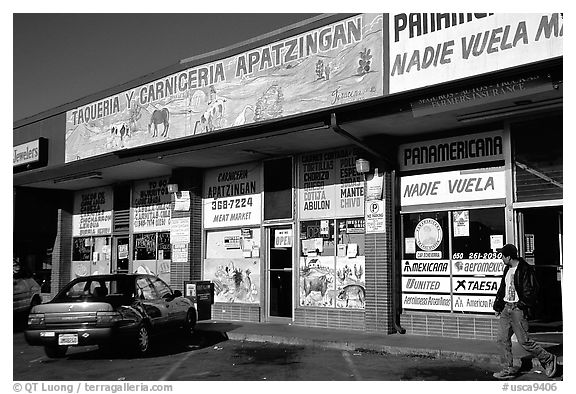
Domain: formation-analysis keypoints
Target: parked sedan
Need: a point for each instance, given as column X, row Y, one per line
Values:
column 109, row 310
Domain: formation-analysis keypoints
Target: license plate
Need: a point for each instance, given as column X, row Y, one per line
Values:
column 68, row 339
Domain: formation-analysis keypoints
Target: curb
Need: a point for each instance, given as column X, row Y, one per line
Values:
column 370, row 347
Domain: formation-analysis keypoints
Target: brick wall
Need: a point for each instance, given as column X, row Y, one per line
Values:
column 449, row 325
column 379, row 310
column 236, row 312
column 62, row 252
column 189, row 180
column 330, row 318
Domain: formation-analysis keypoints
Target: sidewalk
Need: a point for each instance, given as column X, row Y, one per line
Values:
column 397, row 344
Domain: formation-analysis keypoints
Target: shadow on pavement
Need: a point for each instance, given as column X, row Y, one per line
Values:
column 165, row 345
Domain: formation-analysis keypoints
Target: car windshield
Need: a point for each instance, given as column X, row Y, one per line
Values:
column 97, row 289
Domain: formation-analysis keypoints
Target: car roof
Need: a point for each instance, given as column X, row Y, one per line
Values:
column 107, row 277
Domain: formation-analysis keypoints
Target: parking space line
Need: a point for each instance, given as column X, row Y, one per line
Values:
column 351, row 365
column 37, row 359
column 175, row 367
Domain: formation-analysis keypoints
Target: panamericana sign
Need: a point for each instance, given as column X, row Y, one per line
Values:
column 464, row 149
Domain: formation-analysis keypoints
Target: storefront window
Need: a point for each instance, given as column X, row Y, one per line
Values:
column 91, row 255
column 164, row 246
column 145, row 246
column 450, row 261
column 332, row 263
column 82, row 249
column 152, row 254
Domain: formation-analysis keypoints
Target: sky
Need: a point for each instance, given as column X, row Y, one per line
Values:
column 62, row 57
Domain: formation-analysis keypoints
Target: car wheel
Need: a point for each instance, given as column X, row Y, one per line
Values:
column 142, row 346
column 190, row 322
column 55, row 351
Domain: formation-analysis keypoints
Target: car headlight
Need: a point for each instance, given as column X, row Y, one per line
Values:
column 36, row 320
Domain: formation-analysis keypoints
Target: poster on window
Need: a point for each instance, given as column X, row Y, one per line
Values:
column 92, row 214
column 151, row 206
column 434, row 302
column 478, row 285
column 235, row 280
column 350, row 282
column 317, row 281
column 461, row 223
column 232, row 196
column 473, row 303
column 329, row 185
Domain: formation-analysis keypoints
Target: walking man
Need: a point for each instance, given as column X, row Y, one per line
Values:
column 516, row 296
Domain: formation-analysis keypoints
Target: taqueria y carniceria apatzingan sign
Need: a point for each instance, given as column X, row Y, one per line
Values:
column 333, row 65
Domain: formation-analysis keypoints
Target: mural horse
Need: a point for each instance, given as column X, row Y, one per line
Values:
column 160, row 117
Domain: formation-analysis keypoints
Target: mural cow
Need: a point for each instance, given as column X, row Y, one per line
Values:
column 118, row 134
column 319, row 283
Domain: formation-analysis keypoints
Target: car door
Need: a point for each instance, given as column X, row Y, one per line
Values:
column 176, row 308
column 153, row 304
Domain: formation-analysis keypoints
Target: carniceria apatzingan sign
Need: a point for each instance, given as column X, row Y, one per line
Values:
column 335, row 64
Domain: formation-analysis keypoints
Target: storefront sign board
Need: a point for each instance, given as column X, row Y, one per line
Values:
column 435, row 302
column 453, row 186
column 232, row 196
column 472, row 285
column 92, row 215
column 426, row 284
column 332, row 65
column 180, row 230
column 473, row 303
column 151, row 206
column 433, row 48
column 330, row 186
column 491, row 266
column 375, row 217
column 425, row 267
column 460, row 150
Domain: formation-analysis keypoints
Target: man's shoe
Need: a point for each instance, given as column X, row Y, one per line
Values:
column 550, row 368
column 506, row 373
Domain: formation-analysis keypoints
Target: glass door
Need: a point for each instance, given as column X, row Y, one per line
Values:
column 121, row 256
column 541, row 238
column 279, row 272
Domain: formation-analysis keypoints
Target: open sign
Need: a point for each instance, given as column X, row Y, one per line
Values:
column 283, row 238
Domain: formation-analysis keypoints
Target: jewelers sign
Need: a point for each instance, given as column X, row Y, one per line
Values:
column 232, row 196
column 92, row 212
column 433, row 48
column 453, row 186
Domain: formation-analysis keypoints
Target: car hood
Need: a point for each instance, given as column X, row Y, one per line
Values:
column 63, row 307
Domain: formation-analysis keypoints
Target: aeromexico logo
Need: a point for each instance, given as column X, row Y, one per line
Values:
column 428, row 234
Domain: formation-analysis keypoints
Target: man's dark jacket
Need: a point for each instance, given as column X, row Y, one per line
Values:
column 526, row 287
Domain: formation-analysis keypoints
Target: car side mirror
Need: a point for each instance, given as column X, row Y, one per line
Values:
column 177, row 293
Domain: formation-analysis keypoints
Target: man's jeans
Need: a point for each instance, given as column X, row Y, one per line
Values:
column 512, row 320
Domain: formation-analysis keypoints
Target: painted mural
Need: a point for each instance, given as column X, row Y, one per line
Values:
column 333, row 65
column 235, row 280
column 350, row 282
column 317, row 281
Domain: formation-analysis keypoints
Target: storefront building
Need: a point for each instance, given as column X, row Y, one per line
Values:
column 351, row 172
